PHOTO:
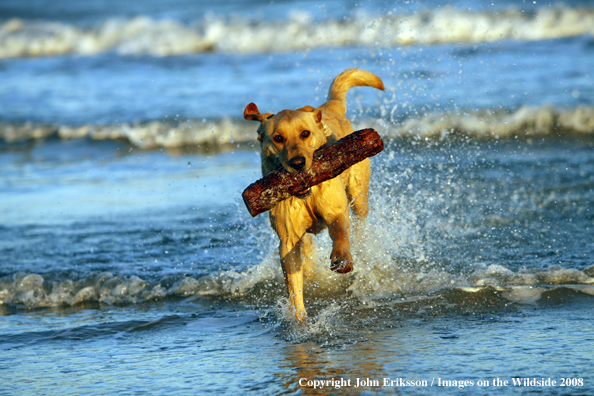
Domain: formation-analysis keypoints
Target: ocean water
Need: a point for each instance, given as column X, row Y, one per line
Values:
column 129, row 264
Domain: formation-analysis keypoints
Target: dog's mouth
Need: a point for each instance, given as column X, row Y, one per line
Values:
column 303, row 194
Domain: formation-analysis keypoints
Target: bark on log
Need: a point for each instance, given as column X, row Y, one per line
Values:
column 328, row 163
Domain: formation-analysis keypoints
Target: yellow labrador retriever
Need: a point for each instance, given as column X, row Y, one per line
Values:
column 289, row 139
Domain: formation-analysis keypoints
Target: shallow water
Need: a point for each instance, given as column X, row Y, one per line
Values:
column 129, row 264
column 207, row 346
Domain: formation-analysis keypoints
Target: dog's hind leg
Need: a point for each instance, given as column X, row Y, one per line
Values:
column 293, row 269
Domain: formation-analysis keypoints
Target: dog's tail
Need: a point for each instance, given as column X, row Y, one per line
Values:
column 352, row 78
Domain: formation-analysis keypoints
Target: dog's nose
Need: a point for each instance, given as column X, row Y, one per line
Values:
column 297, row 163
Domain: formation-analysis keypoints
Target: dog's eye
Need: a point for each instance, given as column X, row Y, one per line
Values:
column 279, row 139
column 305, row 134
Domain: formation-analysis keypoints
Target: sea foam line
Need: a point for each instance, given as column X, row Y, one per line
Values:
column 525, row 122
column 263, row 284
column 143, row 35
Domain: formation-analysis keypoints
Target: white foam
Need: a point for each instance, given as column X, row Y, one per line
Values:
column 146, row 36
column 149, row 135
column 394, row 280
column 525, row 122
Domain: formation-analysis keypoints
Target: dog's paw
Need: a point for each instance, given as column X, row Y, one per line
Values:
column 341, row 262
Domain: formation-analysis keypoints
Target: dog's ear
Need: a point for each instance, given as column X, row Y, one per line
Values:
column 307, row 109
column 316, row 113
column 251, row 112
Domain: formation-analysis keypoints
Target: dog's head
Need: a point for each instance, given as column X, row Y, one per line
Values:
column 288, row 138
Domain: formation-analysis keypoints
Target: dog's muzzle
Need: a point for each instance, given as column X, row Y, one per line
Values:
column 297, row 163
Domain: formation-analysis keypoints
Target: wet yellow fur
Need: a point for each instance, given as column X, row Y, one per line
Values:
column 328, row 204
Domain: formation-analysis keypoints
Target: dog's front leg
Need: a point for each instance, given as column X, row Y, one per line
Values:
column 341, row 259
column 333, row 208
column 293, row 271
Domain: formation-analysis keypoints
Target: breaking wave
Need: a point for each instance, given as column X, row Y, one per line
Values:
column 525, row 122
column 146, row 36
column 397, row 282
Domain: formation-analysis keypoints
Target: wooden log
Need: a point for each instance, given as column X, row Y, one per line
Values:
column 328, row 163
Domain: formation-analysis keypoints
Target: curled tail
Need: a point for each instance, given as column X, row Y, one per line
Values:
column 352, row 78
